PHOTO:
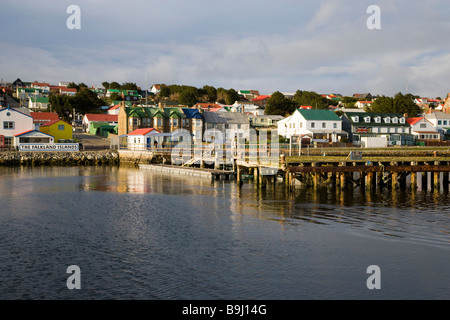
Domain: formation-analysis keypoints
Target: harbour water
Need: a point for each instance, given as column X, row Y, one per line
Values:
column 137, row 234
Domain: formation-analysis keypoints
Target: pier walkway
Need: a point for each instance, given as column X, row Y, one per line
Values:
column 190, row 171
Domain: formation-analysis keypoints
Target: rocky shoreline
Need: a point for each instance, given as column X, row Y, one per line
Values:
column 15, row 158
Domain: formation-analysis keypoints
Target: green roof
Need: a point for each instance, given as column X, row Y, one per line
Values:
column 314, row 114
column 374, row 115
column 154, row 112
column 174, row 113
column 39, row 100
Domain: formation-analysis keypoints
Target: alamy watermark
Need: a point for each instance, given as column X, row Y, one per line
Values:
column 224, row 148
column 374, row 21
column 74, row 20
column 74, row 281
column 374, row 281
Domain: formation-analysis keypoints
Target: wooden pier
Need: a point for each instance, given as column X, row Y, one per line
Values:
column 398, row 171
column 370, row 175
column 190, row 171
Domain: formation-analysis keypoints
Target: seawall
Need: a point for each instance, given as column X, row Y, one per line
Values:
column 14, row 158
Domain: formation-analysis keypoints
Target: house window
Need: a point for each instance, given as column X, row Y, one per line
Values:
column 60, row 127
column 387, row 120
column 423, row 125
column 175, row 121
column 394, row 120
column 402, row 120
column 367, row 119
column 378, row 119
column 301, row 124
column 324, row 125
column 335, row 125
column 445, row 122
column 135, row 121
column 8, row 142
column 8, row 125
column 313, row 125
column 160, row 123
column 355, row 119
column 439, row 122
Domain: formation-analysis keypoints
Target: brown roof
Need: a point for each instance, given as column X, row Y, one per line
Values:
column 44, row 116
column 102, row 117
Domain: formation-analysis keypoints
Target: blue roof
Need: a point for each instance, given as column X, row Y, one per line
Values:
column 192, row 113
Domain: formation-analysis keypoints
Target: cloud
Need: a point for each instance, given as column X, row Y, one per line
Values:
column 324, row 47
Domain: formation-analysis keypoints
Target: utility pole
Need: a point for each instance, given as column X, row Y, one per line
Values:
column 146, row 90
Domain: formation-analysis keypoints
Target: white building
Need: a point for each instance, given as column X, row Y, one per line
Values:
column 423, row 129
column 319, row 125
column 12, row 123
column 45, row 87
column 38, row 103
column 363, row 104
column 141, row 139
column 440, row 120
column 33, row 136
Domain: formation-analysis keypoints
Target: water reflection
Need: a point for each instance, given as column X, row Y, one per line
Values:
column 420, row 214
column 162, row 236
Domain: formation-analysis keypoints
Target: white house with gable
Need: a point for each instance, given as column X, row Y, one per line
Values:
column 318, row 125
column 12, row 123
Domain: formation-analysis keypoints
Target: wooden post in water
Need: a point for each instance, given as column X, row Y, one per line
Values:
column 394, row 178
column 413, row 181
column 343, row 179
column 255, row 175
column 436, row 181
column 262, row 179
column 316, row 180
column 286, row 178
column 370, row 181
column 239, row 175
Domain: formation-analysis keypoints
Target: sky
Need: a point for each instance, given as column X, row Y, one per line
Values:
column 285, row 45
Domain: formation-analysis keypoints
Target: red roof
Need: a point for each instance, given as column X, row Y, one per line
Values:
column 44, row 116
column 365, row 101
column 412, row 121
column 114, row 107
column 64, row 89
column 261, row 98
column 40, row 84
column 305, row 107
column 102, row 117
column 142, row 131
column 47, row 124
